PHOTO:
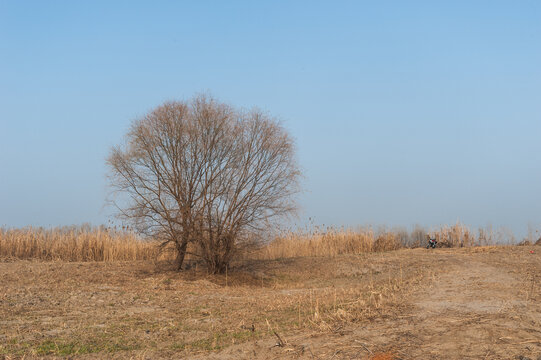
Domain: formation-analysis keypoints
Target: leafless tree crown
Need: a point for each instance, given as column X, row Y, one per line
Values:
column 204, row 173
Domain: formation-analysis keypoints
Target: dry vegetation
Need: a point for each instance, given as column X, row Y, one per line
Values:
column 74, row 244
column 289, row 299
column 333, row 242
column 85, row 243
column 79, row 308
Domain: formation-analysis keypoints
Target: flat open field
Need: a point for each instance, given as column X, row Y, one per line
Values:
column 468, row 303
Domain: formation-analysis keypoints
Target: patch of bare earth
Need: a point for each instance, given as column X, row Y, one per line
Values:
column 479, row 303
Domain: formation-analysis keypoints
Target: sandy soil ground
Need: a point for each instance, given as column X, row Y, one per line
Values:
column 479, row 303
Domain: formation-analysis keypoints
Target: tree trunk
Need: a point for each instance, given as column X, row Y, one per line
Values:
column 222, row 268
column 220, row 264
column 181, row 253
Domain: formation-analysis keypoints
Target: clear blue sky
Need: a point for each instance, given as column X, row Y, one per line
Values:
column 404, row 111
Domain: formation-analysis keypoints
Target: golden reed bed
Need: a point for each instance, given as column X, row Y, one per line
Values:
column 74, row 244
column 85, row 243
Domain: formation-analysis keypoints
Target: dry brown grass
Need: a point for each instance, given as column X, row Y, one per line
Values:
column 85, row 243
column 329, row 243
column 348, row 306
column 74, row 244
column 139, row 307
column 459, row 235
column 383, row 356
column 332, row 242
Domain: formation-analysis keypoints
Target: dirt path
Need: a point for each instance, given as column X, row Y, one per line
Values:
column 474, row 310
column 476, row 307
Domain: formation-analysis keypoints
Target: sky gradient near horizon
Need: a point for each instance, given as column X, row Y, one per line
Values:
column 405, row 113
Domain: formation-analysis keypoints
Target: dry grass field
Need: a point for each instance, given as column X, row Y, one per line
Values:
column 480, row 302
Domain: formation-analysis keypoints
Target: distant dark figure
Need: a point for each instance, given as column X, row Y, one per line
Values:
column 431, row 242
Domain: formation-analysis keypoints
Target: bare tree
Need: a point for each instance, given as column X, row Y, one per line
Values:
column 206, row 174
